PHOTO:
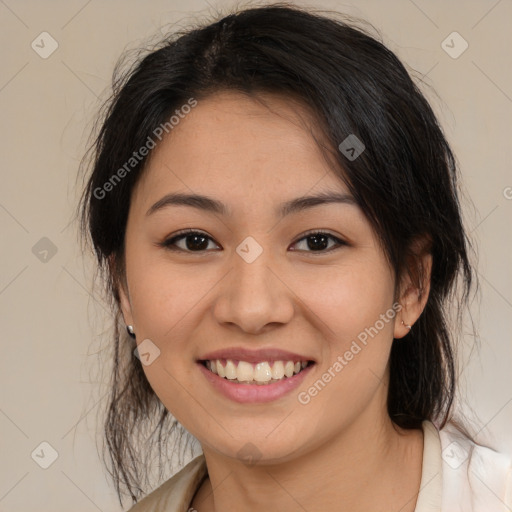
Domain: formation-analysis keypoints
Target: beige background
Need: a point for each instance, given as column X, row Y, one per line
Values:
column 52, row 325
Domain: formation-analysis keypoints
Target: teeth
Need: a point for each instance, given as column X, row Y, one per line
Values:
column 230, row 370
column 244, row 372
column 260, row 373
column 288, row 368
column 278, row 370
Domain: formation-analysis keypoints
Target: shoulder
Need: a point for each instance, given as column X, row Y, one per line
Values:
column 176, row 493
column 475, row 478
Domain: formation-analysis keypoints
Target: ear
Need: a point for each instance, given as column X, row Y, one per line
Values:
column 122, row 290
column 414, row 284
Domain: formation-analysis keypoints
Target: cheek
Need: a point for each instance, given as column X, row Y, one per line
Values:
column 165, row 303
column 353, row 309
column 165, row 295
column 345, row 299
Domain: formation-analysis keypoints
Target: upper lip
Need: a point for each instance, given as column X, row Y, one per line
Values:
column 254, row 356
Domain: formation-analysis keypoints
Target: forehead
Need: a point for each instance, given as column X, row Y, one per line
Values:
column 231, row 144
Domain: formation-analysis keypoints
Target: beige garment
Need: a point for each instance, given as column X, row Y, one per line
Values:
column 175, row 495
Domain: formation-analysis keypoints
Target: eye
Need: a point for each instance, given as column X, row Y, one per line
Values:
column 190, row 240
column 318, row 241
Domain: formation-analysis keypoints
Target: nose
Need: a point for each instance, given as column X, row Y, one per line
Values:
column 254, row 296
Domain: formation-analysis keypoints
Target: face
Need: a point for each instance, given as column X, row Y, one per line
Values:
column 255, row 284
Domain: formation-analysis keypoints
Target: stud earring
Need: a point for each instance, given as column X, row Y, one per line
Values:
column 130, row 330
column 408, row 326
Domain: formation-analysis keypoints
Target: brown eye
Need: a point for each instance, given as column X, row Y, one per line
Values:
column 318, row 241
column 188, row 241
column 197, row 241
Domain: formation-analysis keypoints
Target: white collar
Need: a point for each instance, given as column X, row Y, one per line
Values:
column 431, row 486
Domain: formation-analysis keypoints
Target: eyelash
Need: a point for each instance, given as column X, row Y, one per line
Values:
column 169, row 243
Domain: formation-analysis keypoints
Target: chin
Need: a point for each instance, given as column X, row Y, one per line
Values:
column 259, row 450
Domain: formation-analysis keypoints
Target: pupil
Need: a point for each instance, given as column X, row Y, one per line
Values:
column 195, row 245
column 317, row 244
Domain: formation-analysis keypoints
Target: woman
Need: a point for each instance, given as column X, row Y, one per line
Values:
column 276, row 211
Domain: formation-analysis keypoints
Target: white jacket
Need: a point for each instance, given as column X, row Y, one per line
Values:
column 461, row 476
column 457, row 476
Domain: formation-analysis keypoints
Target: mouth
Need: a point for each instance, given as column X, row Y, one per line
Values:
column 255, row 373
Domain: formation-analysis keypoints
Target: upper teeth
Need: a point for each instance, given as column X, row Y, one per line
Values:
column 263, row 372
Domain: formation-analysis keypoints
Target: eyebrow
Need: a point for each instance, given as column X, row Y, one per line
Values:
column 209, row 204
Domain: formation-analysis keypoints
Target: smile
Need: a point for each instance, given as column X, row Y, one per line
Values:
column 261, row 373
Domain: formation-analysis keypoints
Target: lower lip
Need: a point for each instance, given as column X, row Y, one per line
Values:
column 254, row 393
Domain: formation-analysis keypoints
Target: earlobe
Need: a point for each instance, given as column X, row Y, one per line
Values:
column 408, row 315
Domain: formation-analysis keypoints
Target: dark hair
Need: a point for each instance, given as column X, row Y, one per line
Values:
column 405, row 181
